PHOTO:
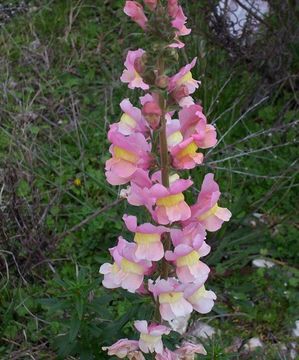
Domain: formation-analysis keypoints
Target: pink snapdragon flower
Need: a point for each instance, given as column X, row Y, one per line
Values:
column 194, row 123
column 188, row 351
column 188, row 266
column 170, row 293
column 151, row 336
column 181, row 95
column 131, row 74
column 152, row 113
column 172, row 7
column 121, row 348
column 184, row 78
column 173, row 133
column 129, row 153
column 167, row 355
column 185, row 155
column 201, row 299
column 192, row 235
column 136, row 355
column 127, row 271
column 151, row 4
column 148, row 239
column 135, row 11
column 179, row 21
column 131, row 120
column 170, row 205
column 206, row 210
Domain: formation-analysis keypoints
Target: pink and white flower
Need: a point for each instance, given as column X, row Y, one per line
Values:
column 170, row 293
column 184, row 78
column 192, row 235
column 131, row 74
column 131, row 120
column 151, row 336
column 188, row 266
column 121, row 348
column 206, row 210
column 201, row 299
column 181, row 95
column 127, row 271
column 173, row 133
column 148, row 239
column 194, row 124
column 129, row 153
column 179, row 21
column 135, row 11
column 152, row 113
column 136, row 355
column 167, row 355
column 188, row 351
column 185, row 155
column 172, row 7
column 170, row 205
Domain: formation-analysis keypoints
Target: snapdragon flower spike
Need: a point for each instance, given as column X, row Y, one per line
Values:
column 127, row 271
column 170, row 205
column 122, row 348
column 129, row 153
column 201, row 299
column 131, row 120
column 194, row 124
column 131, row 74
column 170, row 294
column 148, row 239
column 151, row 336
column 135, row 11
column 206, row 210
column 188, row 266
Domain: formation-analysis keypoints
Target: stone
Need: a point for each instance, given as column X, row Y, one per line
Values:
column 202, row 330
column 262, row 263
column 253, row 344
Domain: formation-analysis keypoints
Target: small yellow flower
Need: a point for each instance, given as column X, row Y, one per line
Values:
column 77, row 182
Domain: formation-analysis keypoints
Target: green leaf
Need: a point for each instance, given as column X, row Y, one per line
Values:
column 74, row 328
column 80, row 307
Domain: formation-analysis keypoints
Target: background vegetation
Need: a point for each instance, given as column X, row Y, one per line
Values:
column 60, row 63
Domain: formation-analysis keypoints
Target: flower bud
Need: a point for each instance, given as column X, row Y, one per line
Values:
column 180, row 92
column 162, row 81
column 152, row 113
column 173, row 8
column 135, row 11
column 139, row 64
column 151, row 4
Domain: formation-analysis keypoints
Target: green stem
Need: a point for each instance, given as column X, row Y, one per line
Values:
column 165, row 178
